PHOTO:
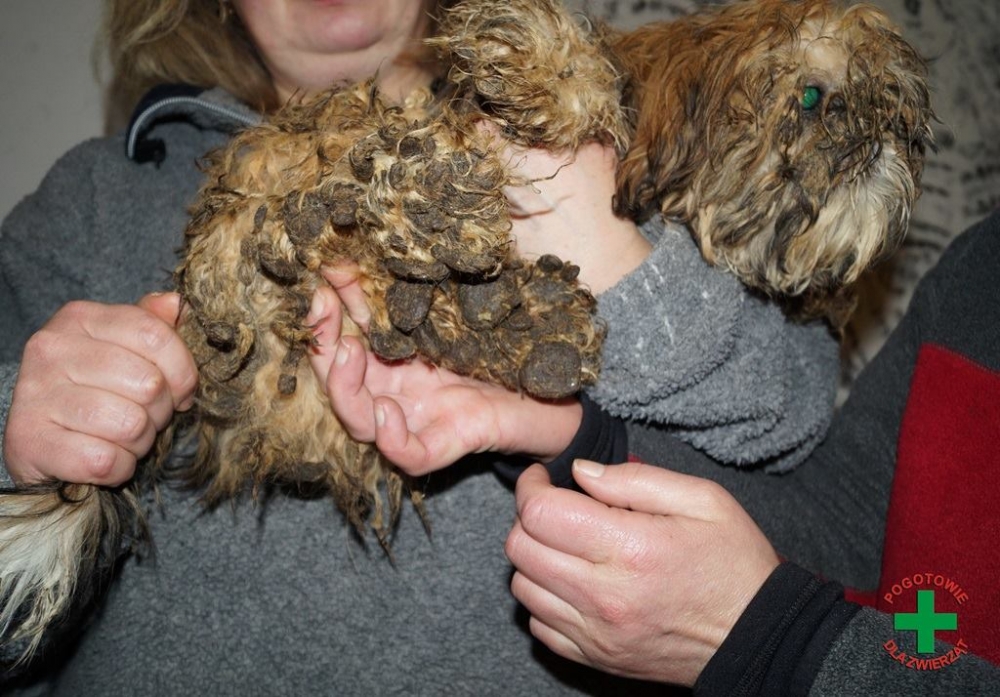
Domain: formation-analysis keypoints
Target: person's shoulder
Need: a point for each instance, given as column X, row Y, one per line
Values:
column 187, row 116
column 976, row 249
column 90, row 154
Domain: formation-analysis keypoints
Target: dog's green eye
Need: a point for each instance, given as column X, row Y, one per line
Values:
column 810, row 97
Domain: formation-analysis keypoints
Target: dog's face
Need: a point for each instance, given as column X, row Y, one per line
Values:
column 790, row 136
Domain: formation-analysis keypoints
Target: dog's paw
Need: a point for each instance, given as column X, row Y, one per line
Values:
column 533, row 327
column 561, row 345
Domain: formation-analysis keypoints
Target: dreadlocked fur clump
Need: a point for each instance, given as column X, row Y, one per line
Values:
column 414, row 195
column 788, row 135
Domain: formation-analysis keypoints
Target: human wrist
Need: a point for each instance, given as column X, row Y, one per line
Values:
column 537, row 429
column 778, row 642
column 600, row 438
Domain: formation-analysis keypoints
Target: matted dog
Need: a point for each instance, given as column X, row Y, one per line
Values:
column 788, row 136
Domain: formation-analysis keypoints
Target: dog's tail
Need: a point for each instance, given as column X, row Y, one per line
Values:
column 55, row 539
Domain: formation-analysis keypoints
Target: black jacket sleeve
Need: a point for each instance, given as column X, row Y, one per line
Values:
column 780, row 641
column 601, row 437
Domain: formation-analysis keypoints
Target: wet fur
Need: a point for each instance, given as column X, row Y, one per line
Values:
column 797, row 203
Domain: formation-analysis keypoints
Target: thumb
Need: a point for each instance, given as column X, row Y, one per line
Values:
column 166, row 306
column 648, row 489
column 325, row 317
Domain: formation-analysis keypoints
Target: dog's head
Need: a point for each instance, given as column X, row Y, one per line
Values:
column 789, row 135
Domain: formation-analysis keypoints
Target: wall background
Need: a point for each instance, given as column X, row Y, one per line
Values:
column 50, row 99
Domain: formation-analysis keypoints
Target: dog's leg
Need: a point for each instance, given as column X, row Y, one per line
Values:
column 529, row 68
column 283, row 200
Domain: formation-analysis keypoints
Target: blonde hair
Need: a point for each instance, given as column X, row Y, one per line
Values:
column 195, row 42
column 150, row 42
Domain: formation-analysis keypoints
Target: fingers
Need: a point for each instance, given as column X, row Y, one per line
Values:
column 114, row 371
column 166, row 306
column 325, row 317
column 649, row 489
column 105, row 416
column 551, row 617
column 350, row 398
column 78, row 457
column 558, row 642
column 544, row 565
column 345, row 279
column 565, row 520
column 395, row 440
column 141, row 332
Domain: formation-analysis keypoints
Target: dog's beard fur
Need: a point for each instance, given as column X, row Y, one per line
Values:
column 798, row 202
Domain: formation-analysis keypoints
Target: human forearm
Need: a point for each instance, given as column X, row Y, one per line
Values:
column 689, row 348
column 780, row 640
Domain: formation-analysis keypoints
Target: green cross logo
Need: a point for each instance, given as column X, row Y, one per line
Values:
column 925, row 621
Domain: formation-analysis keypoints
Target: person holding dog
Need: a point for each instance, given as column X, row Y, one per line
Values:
column 662, row 575
column 265, row 595
column 656, row 572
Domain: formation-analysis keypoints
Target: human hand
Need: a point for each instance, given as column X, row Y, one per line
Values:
column 565, row 209
column 645, row 579
column 95, row 385
column 421, row 417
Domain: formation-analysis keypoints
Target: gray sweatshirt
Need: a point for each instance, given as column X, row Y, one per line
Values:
column 281, row 596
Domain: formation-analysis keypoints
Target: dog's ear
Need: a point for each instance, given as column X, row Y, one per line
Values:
column 676, row 90
column 658, row 99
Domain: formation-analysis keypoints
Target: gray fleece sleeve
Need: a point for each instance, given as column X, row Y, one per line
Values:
column 859, row 664
column 690, row 348
column 8, row 376
column 42, row 242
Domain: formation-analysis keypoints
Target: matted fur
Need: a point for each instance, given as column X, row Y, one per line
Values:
column 53, row 537
column 796, row 202
column 414, row 194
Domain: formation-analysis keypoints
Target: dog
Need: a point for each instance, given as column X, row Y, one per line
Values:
column 788, row 136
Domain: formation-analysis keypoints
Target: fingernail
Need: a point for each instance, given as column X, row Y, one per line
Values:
column 343, row 353
column 315, row 310
column 589, row 468
column 379, row 415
